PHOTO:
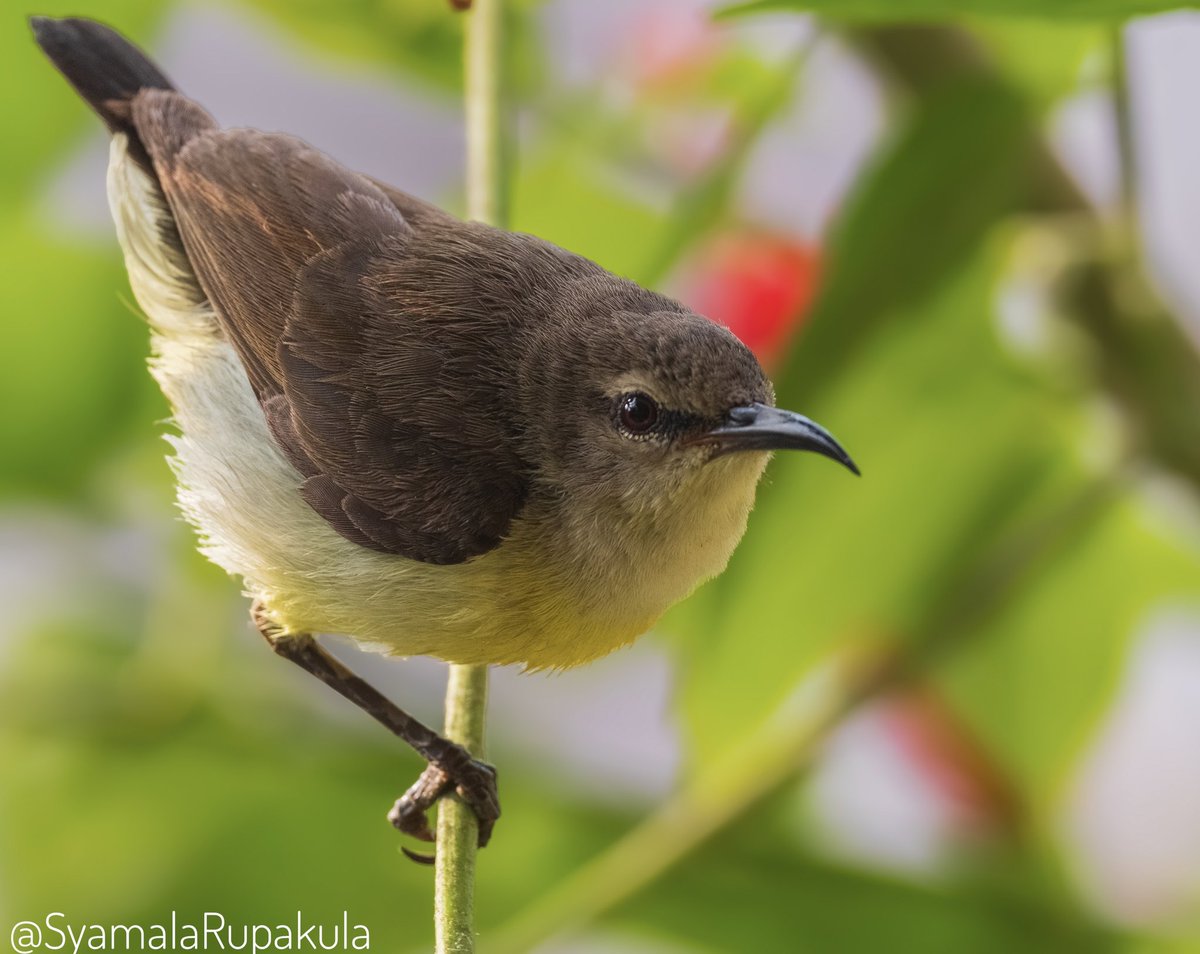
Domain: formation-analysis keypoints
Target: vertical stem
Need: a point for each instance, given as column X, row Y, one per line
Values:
column 466, row 692
column 1127, row 225
column 457, row 827
column 485, row 127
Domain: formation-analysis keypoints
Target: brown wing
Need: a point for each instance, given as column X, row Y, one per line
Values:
column 402, row 447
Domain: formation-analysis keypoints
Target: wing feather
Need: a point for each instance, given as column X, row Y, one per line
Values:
column 370, row 385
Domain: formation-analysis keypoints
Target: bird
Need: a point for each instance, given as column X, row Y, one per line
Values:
column 436, row 437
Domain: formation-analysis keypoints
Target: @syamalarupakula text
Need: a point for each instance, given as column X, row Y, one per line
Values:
column 212, row 931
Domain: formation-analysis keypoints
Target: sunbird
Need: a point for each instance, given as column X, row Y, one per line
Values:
column 434, row 436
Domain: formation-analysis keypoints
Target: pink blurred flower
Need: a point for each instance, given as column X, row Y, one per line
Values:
column 670, row 46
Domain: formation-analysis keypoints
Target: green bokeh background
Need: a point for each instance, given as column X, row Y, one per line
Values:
column 1001, row 555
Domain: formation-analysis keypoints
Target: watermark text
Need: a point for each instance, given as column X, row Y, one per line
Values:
column 210, row 932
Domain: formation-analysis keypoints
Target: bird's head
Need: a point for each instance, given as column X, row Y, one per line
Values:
column 654, row 400
column 660, row 425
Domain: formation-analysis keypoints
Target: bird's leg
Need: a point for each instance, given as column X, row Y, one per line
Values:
column 450, row 765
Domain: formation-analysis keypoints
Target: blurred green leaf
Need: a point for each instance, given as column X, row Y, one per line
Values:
column 701, row 205
column 1035, row 681
column 754, row 886
column 565, row 194
column 419, row 40
column 76, row 381
column 568, row 189
column 952, row 172
column 1045, row 59
column 940, row 425
column 1175, row 943
column 244, row 803
column 908, row 298
column 771, row 899
column 932, row 9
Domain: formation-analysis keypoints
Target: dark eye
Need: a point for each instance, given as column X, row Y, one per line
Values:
column 638, row 413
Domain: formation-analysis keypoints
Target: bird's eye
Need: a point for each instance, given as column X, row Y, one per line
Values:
column 638, row 413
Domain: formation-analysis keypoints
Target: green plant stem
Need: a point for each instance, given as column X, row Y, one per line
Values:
column 466, row 691
column 483, row 62
column 1129, row 250
column 457, row 827
column 1126, row 142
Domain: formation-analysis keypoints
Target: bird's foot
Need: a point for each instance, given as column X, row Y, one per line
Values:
column 472, row 780
column 451, row 767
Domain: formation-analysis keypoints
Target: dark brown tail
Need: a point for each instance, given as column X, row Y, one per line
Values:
column 104, row 67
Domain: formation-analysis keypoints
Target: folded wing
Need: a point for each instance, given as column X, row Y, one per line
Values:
column 366, row 383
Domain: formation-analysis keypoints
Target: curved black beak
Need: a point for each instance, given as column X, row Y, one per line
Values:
column 760, row 427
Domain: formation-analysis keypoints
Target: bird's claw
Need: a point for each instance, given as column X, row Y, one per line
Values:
column 409, row 812
column 476, row 785
column 473, row 781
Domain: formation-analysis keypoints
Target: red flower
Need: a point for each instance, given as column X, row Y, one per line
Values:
column 759, row 285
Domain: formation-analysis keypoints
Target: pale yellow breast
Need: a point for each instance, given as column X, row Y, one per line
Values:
column 618, row 571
